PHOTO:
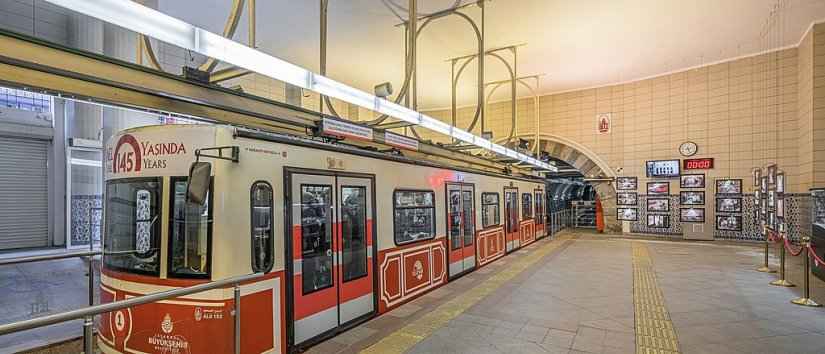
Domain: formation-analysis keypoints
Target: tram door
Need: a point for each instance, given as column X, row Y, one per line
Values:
column 511, row 219
column 332, row 244
column 461, row 227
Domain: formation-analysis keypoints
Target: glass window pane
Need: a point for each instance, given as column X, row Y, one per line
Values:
column 527, row 205
column 414, row 217
column 261, row 199
column 540, row 208
column 86, row 197
column 354, row 231
column 132, row 227
column 468, row 217
column 489, row 209
column 455, row 219
column 511, row 208
column 316, row 237
column 189, row 239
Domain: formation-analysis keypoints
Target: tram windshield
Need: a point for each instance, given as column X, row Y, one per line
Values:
column 131, row 242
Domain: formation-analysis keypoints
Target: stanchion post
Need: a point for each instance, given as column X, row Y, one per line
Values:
column 765, row 267
column 88, row 336
column 806, row 300
column 782, row 281
column 237, row 332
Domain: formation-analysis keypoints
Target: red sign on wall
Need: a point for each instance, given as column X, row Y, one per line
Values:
column 698, row 164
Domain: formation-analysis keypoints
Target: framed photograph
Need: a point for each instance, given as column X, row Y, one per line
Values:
column 658, row 221
column 763, row 185
column 627, row 214
column 771, row 174
column 658, row 204
column 763, row 207
column 780, row 182
column 692, row 197
column 729, row 222
column 771, row 199
column 771, row 220
column 627, row 183
column 692, row 215
column 662, row 168
column 627, row 198
column 729, row 205
column 728, row 186
column 658, row 188
column 692, row 181
column 757, row 177
column 780, row 208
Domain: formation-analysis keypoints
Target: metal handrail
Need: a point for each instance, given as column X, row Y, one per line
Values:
column 48, row 257
column 89, row 312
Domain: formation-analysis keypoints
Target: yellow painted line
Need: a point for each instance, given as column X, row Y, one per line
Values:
column 408, row 336
column 654, row 330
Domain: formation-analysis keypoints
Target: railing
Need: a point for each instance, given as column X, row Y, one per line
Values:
column 559, row 220
column 88, row 313
column 52, row 257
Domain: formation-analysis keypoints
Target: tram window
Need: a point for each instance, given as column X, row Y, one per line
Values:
column 455, row 219
column 511, row 208
column 190, row 235
column 316, row 237
column 354, row 231
column 132, row 228
column 539, row 208
column 414, row 215
column 526, row 205
column 490, row 213
column 261, row 218
column 469, row 217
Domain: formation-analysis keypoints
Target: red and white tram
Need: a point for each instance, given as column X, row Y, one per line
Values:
column 343, row 234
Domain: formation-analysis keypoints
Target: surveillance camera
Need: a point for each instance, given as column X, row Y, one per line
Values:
column 383, row 90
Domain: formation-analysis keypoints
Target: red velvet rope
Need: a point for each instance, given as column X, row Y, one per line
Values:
column 789, row 247
column 812, row 252
column 772, row 238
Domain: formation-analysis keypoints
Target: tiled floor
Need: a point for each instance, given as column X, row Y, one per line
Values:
column 573, row 294
column 578, row 298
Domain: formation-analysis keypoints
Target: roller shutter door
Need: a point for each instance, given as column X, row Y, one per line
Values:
column 24, row 201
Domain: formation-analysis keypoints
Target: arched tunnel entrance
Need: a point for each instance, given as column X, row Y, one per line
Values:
column 578, row 164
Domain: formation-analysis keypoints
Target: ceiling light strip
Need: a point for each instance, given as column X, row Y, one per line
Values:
column 141, row 19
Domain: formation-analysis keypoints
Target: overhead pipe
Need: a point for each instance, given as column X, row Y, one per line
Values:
column 228, row 31
column 408, row 60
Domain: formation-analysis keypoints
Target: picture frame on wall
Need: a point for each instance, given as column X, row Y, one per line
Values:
column 658, row 221
column 692, row 215
column 757, row 176
column 658, row 204
column 771, row 199
column 763, row 184
column 780, row 208
column 627, row 214
column 729, row 205
column 692, row 180
column 771, row 220
column 780, row 182
column 728, row 186
column 627, row 198
column 771, row 174
column 658, row 188
column 729, row 222
column 627, row 183
column 692, row 197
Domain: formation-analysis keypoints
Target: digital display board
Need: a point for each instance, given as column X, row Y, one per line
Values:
column 698, row 164
column 662, row 168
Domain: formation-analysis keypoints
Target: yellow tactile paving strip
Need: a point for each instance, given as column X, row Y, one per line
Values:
column 408, row 336
column 654, row 330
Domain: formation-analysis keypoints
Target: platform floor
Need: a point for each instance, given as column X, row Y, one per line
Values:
column 587, row 293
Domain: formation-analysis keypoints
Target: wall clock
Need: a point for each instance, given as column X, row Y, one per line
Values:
column 688, row 148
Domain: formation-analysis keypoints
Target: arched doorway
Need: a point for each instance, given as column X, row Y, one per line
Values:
column 586, row 162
